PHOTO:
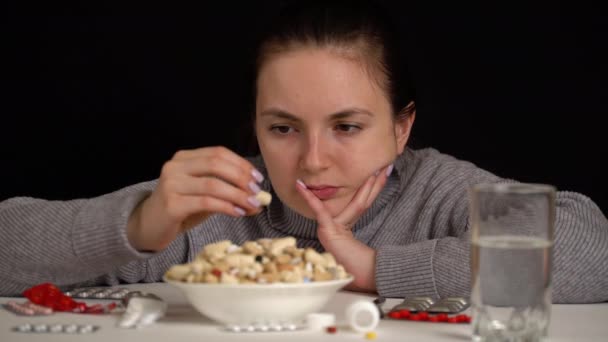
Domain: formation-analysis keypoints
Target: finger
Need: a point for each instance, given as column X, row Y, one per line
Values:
column 215, row 188
column 378, row 185
column 213, row 167
column 223, row 153
column 187, row 207
column 358, row 203
column 317, row 206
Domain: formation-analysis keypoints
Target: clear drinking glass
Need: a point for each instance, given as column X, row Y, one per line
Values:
column 511, row 247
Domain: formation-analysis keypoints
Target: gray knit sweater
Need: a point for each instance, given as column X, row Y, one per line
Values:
column 418, row 225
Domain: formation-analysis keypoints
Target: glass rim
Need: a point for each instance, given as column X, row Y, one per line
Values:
column 514, row 188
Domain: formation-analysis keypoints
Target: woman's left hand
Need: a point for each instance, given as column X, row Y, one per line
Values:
column 335, row 233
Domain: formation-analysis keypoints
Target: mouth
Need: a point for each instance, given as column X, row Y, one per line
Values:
column 323, row 192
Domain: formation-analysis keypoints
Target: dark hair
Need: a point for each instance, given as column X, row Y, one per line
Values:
column 357, row 28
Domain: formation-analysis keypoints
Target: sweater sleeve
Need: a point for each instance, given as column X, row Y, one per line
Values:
column 440, row 265
column 80, row 241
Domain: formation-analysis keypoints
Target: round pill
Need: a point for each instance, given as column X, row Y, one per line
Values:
column 264, row 197
column 452, row 320
column 370, row 335
column 216, row 272
column 394, row 314
column 404, row 313
column 24, row 328
column 233, row 328
column 414, row 317
column 289, row 326
column 84, row 294
column 442, row 317
column 56, row 328
column 332, row 329
column 463, row 319
column 85, row 329
column 101, row 295
column 261, row 327
column 40, row 328
column 71, row 329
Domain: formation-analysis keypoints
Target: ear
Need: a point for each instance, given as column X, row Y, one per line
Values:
column 403, row 125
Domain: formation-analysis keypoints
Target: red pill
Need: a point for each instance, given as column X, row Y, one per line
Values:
column 80, row 307
column 216, row 272
column 332, row 329
column 404, row 313
column 434, row 319
column 394, row 314
column 453, row 320
column 442, row 317
column 424, row 316
column 415, row 317
column 463, row 319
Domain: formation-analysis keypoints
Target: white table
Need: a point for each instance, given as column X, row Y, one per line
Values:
column 182, row 323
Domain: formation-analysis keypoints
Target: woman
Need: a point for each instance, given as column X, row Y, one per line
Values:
column 333, row 113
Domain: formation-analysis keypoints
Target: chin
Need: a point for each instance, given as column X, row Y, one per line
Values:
column 333, row 206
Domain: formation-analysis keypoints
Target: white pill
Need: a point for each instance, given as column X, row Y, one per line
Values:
column 40, row 328
column 24, row 328
column 264, row 197
column 71, row 329
column 56, row 328
column 233, row 327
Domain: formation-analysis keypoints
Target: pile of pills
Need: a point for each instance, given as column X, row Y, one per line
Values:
column 56, row 328
column 261, row 261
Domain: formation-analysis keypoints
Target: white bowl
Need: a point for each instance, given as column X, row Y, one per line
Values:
column 249, row 303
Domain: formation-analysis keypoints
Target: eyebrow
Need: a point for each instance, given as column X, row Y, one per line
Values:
column 343, row 114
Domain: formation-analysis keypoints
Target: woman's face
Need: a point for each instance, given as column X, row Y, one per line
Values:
column 322, row 119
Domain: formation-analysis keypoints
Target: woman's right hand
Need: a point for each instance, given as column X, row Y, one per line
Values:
column 193, row 185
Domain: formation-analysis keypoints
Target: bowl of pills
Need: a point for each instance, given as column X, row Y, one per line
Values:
column 265, row 280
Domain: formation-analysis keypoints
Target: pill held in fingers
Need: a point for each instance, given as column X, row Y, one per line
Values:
column 264, row 197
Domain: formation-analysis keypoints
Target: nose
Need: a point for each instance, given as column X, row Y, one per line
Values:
column 314, row 156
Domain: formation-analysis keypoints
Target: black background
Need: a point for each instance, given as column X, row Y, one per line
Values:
column 97, row 95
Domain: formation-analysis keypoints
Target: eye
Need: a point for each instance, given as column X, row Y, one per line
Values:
column 347, row 128
column 281, row 129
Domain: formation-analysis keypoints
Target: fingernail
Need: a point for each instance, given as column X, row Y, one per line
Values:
column 254, row 202
column 239, row 211
column 257, row 175
column 301, row 184
column 254, row 187
column 389, row 170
